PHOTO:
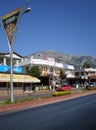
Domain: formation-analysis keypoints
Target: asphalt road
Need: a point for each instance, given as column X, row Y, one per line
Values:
column 74, row 114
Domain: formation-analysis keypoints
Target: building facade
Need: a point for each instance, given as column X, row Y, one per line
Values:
column 21, row 81
column 85, row 75
column 48, row 67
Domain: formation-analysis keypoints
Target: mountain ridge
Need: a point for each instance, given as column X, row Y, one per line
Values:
column 77, row 60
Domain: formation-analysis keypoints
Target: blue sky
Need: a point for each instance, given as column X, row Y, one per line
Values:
column 65, row 26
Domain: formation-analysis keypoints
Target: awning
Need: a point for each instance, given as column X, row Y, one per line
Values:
column 19, row 78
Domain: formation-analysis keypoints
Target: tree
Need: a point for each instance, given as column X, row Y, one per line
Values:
column 34, row 71
column 62, row 76
column 86, row 65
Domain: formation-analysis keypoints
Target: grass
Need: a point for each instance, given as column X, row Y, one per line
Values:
column 7, row 102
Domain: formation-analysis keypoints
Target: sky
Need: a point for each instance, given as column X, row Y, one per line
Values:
column 65, row 26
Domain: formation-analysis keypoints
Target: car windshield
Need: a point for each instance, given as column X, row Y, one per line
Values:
column 65, row 85
column 91, row 83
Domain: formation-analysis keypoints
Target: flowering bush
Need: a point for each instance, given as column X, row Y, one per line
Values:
column 61, row 93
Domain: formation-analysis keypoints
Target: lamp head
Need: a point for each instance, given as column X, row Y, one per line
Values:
column 27, row 10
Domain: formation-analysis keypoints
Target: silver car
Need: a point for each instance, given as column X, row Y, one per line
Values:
column 91, row 84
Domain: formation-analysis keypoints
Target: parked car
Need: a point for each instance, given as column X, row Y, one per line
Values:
column 65, row 87
column 91, row 84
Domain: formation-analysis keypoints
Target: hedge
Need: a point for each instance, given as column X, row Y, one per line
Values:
column 61, row 93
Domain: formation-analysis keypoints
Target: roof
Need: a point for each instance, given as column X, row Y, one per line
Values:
column 86, row 70
column 15, row 55
column 90, row 69
column 18, row 78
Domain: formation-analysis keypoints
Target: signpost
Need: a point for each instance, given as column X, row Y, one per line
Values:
column 10, row 24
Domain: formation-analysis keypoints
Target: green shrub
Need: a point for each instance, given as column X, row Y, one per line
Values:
column 61, row 93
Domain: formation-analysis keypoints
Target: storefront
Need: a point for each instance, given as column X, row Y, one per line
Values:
column 21, row 83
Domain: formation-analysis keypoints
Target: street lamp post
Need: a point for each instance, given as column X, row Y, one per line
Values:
column 8, row 21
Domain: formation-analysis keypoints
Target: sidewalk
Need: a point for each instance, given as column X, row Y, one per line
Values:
column 37, row 94
column 44, row 101
column 33, row 93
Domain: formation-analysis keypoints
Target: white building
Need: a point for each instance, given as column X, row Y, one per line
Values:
column 87, row 74
column 47, row 66
column 5, row 58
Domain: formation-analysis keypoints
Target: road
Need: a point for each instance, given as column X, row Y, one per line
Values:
column 74, row 114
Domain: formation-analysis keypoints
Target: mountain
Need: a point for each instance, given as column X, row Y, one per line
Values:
column 77, row 61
